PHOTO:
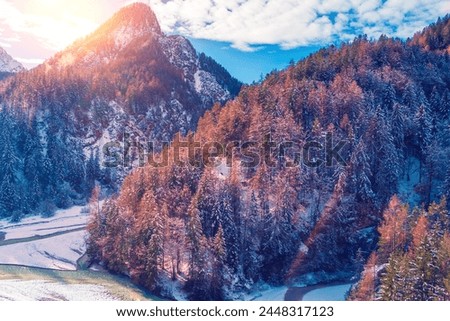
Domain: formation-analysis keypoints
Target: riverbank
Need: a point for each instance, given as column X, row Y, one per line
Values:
column 335, row 291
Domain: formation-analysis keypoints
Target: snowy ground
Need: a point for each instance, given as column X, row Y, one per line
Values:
column 63, row 220
column 34, row 284
column 408, row 182
column 39, row 290
column 59, row 253
column 38, row 259
column 55, row 243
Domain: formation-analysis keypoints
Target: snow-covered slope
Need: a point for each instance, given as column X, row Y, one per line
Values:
column 182, row 54
column 8, row 64
column 34, row 284
column 55, row 243
column 18, row 290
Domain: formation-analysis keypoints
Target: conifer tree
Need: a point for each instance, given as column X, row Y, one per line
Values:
column 393, row 279
column 392, row 229
column 366, row 288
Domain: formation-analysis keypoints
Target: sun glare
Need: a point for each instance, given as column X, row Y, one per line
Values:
column 63, row 21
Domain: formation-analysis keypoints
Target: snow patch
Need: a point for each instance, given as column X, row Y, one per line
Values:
column 223, row 170
column 198, row 82
column 408, row 182
column 17, row 290
column 273, row 294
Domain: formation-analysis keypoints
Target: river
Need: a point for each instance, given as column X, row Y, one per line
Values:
column 325, row 292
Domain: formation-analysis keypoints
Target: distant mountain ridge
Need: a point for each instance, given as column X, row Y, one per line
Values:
column 8, row 65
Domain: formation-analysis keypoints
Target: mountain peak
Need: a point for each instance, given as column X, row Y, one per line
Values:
column 132, row 22
column 8, row 64
column 138, row 16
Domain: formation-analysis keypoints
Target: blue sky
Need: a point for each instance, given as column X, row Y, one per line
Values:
column 251, row 66
column 248, row 37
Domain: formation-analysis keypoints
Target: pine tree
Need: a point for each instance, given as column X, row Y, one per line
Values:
column 410, row 98
column 388, row 96
column 362, row 174
column 444, row 106
column 444, row 259
column 96, row 225
column 251, row 239
column 218, row 268
column 92, row 170
column 398, row 125
column 194, row 235
column 207, row 204
column 366, row 288
column 386, row 159
column 9, row 196
column 424, row 127
column 425, row 271
column 435, row 102
column 279, row 235
column 446, row 187
column 35, row 192
column 153, row 260
column 392, row 282
column 392, row 229
column 229, row 217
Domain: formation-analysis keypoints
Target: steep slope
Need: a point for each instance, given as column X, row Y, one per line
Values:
column 296, row 213
column 127, row 79
column 126, row 70
column 8, row 65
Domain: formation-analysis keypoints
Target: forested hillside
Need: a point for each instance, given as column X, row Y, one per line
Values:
column 412, row 261
column 125, row 79
column 435, row 37
column 220, row 229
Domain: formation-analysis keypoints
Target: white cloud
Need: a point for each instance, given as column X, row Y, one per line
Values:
column 293, row 23
column 247, row 24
